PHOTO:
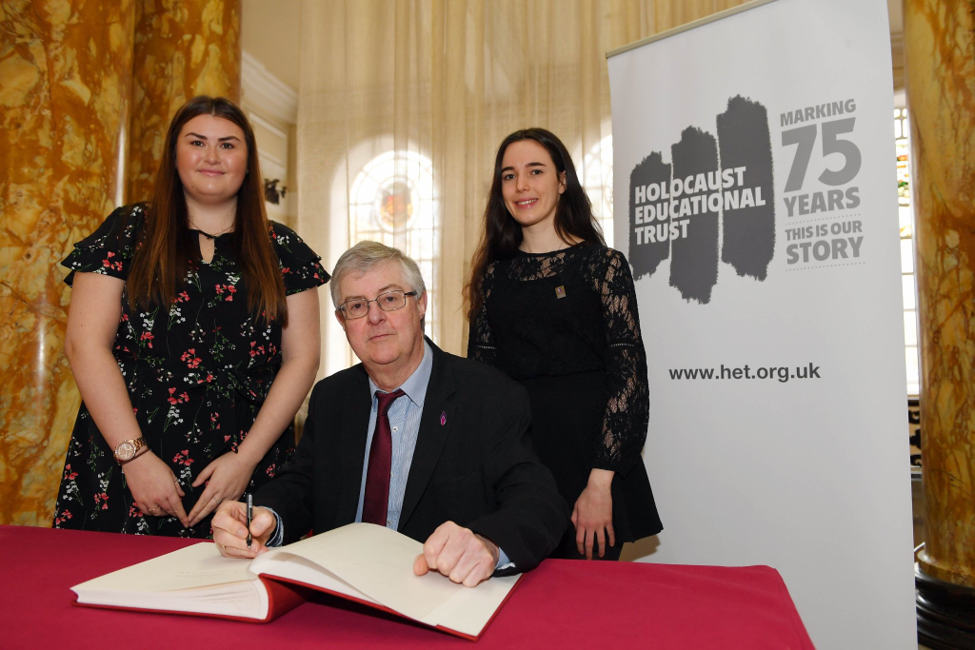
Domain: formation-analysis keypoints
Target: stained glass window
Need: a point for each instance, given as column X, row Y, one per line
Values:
column 392, row 200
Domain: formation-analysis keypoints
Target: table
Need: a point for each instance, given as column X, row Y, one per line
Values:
column 562, row 604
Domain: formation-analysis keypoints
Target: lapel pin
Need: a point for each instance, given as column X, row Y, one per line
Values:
column 443, row 418
column 560, row 292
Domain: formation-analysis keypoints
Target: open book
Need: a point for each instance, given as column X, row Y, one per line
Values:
column 361, row 562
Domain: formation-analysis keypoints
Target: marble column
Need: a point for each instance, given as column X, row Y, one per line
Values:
column 64, row 104
column 182, row 49
column 940, row 69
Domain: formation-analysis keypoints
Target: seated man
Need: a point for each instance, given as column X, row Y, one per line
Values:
column 413, row 438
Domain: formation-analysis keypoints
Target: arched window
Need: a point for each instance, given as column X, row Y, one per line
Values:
column 392, row 200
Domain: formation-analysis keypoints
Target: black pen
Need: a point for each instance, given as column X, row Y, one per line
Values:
column 250, row 517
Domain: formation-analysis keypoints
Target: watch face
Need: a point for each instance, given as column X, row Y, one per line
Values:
column 126, row 450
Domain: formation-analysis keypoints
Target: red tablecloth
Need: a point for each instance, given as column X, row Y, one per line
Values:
column 562, row 604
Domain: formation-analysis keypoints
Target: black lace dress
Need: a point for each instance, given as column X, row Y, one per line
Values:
column 565, row 324
column 197, row 373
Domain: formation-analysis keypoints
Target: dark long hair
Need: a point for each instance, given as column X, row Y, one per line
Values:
column 502, row 234
column 167, row 248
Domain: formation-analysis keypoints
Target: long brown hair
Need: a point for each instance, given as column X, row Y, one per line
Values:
column 502, row 234
column 167, row 249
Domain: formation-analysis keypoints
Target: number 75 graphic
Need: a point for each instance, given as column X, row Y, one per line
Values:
column 805, row 138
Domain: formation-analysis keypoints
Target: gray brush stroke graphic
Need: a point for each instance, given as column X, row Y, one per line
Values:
column 748, row 239
column 646, row 257
column 686, row 230
column 694, row 264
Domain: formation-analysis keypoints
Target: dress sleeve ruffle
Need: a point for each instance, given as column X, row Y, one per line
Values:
column 108, row 250
column 300, row 266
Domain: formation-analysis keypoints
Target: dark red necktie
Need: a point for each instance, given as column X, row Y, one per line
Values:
column 376, row 500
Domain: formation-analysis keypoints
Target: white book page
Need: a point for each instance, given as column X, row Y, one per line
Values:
column 471, row 609
column 193, row 579
column 379, row 562
column 281, row 563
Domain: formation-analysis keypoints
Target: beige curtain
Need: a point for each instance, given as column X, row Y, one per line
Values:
column 440, row 83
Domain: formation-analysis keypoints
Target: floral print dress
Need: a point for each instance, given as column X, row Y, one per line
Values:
column 197, row 374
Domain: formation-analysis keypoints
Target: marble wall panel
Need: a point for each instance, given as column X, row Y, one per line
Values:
column 64, row 104
column 182, row 50
column 940, row 66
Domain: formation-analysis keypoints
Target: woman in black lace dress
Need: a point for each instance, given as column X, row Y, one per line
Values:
column 554, row 308
column 193, row 336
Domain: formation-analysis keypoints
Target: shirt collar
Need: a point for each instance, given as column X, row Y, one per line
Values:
column 416, row 384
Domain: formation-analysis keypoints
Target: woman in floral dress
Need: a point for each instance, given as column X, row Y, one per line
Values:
column 193, row 335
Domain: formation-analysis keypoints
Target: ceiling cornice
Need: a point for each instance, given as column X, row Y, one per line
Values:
column 266, row 93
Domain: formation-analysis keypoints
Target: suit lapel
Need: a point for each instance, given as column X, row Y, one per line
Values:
column 350, row 448
column 435, row 423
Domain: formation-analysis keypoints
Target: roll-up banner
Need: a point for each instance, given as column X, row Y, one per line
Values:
column 755, row 197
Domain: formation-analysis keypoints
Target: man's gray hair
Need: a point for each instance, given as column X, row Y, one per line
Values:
column 367, row 255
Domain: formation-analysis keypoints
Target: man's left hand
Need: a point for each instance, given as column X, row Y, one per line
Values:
column 458, row 553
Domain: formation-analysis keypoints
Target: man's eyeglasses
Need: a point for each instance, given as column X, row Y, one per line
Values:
column 387, row 301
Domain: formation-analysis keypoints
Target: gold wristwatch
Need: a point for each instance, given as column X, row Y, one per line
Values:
column 128, row 449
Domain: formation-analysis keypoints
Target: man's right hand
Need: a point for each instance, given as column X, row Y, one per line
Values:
column 230, row 530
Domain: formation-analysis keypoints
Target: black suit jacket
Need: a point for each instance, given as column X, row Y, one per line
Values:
column 473, row 463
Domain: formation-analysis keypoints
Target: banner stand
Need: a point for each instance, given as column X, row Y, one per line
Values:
column 755, row 199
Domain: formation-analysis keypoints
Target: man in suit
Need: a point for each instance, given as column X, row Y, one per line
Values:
column 413, row 438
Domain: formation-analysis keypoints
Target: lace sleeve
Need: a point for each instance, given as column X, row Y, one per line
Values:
column 480, row 341
column 627, row 415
